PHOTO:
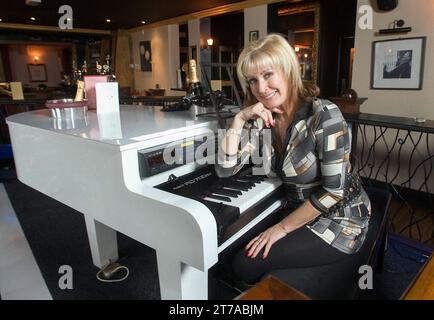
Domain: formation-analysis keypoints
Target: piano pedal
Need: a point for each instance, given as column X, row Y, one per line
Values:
column 107, row 272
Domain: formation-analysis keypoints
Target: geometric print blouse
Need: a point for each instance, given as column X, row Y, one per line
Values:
column 314, row 167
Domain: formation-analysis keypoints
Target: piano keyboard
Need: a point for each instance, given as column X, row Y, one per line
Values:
column 242, row 192
column 234, row 201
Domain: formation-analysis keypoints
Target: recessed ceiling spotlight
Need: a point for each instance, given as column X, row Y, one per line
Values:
column 32, row 18
column 143, row 21
column 0, row 20
column 108, row 20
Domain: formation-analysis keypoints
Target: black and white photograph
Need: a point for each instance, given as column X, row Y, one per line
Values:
column 253, row 35
column 399, row 68
column 145, row 56
column 398, row 64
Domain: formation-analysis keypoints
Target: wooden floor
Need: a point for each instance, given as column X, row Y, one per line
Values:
column 422, row 287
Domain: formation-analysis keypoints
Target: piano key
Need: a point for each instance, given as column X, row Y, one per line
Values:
column 217, row 197
column 236, row 185
column 251, row 197
column 254, row 178
column 247, row 181
column 226, row 192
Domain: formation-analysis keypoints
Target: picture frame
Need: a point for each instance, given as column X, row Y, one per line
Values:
column 37, row 72
column 398, row 64
column 145, row 56
column 253, row 35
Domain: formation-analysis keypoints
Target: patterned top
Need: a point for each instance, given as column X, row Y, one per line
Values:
column 315, row 167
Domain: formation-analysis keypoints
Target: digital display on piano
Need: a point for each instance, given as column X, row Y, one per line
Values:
column 151, row 161
column 156, row 160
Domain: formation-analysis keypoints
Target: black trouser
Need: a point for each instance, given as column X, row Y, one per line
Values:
column 300, row 248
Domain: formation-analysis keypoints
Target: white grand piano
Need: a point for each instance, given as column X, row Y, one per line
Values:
column 93, row 165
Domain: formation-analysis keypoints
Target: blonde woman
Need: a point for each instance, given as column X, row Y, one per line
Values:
column 327, row 216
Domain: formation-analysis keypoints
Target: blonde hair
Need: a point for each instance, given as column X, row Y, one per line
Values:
column 273, row 51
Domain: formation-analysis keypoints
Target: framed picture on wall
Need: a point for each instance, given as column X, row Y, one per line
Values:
column 37, row 72
column 398, row 64
column 145, row 56
column 253, row 35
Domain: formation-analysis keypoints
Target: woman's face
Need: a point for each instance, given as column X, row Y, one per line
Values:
column 269, row 86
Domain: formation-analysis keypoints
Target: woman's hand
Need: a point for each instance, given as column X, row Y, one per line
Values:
column 265, row 239
column 258, row 110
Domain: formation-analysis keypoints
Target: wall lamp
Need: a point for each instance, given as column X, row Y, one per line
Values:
column 397, row 27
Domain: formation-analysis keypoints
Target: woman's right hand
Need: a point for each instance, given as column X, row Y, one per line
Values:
column 258, row 110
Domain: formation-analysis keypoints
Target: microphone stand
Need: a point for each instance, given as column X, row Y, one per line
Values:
column 221, row 121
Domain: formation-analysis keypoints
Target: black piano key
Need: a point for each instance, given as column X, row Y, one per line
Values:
column 245, row 180
column 238, row 192
column 248, row 171
column 254, row 178
column 250, row 184
column 237, row 185
column 226, row 192
column 217, row 197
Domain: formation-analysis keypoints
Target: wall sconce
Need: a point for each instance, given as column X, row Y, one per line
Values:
column 36, row 58
column 396, row 28
column 210, row 42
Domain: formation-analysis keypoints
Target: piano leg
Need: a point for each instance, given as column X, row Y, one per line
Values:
column 103, row 242
column 180, row 281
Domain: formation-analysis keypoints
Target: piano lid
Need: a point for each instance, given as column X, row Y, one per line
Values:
column 131, row 125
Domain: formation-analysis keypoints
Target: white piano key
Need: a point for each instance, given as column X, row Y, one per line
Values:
column 249, row 198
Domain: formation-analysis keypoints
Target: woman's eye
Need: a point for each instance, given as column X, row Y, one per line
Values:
column 251, row 81
column 268, row 75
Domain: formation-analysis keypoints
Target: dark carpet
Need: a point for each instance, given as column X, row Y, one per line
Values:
column 57, row 236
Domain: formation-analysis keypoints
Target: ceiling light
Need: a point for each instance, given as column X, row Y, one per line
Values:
column 143, row 21
column 33, row 2
column 0, row 20
column 32, row 18
column 108, row 20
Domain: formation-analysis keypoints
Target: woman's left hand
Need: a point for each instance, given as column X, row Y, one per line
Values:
column 265, row 239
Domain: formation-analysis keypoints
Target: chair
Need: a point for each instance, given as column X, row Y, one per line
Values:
column 340, row 280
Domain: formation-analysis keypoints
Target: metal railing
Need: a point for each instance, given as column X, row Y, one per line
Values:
column 397, row 153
